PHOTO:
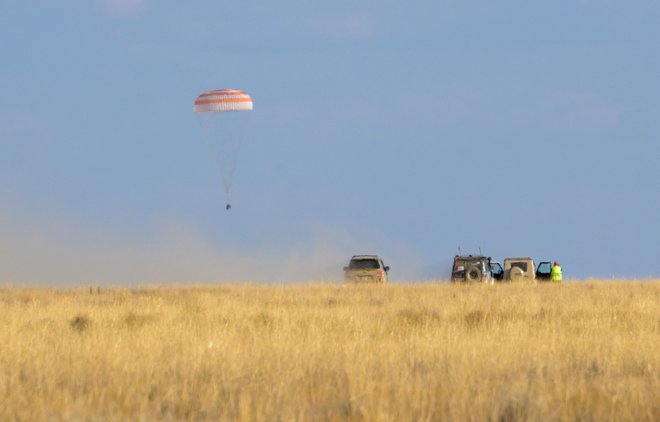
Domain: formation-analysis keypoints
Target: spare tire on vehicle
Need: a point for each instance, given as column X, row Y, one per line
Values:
column 473, row 274
column 515, row 273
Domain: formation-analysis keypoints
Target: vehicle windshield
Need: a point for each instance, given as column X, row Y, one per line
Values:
column 364, row 264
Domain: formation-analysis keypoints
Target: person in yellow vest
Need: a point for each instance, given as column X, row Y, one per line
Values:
column 555, row 273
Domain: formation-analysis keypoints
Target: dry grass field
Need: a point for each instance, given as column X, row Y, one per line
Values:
column 576, row 351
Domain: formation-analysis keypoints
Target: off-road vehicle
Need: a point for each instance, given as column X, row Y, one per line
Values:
column 522, row 269
column 366, row 269
column 475, row 268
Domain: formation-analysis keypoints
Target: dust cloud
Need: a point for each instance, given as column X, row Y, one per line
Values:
column 38, row 250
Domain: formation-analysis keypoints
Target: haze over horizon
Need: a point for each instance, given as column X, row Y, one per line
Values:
column 404, row 130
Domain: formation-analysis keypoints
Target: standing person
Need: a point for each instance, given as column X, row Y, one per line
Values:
column 555, row 273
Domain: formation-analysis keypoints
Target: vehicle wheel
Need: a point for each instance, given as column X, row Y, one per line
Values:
column 516, row 273
column 473, row 274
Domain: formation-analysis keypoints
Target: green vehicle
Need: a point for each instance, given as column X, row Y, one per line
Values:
column 476, row 269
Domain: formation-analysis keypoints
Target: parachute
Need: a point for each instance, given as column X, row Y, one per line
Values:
column 220, row 100
column 222, row 114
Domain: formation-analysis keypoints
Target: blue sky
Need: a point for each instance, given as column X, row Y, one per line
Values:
column 405, row 129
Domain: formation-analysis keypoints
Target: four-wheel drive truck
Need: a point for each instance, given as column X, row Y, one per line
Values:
column 366, row 269
column 522, row 269
column 475, row 268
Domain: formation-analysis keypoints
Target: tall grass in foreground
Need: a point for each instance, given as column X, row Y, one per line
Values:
column 587, row 351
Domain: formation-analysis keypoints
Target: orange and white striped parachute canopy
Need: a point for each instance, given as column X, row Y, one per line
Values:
column 220, row 100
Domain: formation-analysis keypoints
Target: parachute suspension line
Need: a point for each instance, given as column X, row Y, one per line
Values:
column 225, row 170
column 224, row 135
column 240, row 138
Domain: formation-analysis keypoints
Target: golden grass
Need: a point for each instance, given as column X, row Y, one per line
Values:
column 577, row 351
